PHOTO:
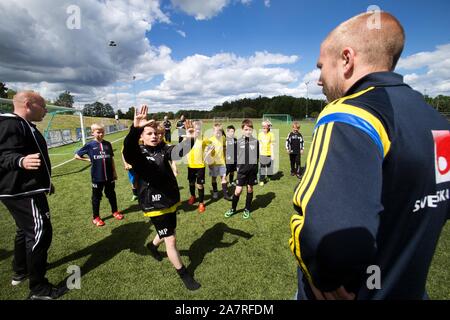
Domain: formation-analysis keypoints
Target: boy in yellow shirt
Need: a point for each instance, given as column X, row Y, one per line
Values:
column 196, row 167
column 266, row 141
column 216, row 161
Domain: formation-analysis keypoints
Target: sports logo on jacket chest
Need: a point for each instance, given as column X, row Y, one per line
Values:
column 156, row 197
column 442, row 155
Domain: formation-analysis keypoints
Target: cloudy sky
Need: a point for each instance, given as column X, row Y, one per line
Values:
column 174, row 54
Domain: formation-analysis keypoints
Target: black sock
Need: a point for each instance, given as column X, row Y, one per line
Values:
column 224, row 189
column 135, row 193
column 231, row 177
column 234, row 202
column 188, row 280
column 248, row 200
column 192, row 189
column 154, row 251
column 201, row 195
column 214, row 185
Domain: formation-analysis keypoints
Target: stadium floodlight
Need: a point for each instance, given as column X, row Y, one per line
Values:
column 307, row 99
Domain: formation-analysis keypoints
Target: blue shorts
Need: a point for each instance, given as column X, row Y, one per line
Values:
column 131, row 176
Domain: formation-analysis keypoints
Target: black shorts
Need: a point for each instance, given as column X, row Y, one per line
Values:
column 248, row 178
column 231, row 168
column 166, row 224
column 196, row 175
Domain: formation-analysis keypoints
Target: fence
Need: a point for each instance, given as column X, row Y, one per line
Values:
column 57, row 138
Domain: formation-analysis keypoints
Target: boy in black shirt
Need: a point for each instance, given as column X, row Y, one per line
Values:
column 295, row 146
column 247, row 168
column 159, row 195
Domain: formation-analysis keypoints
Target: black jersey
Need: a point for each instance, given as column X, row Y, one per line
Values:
column 294, row 142
column 157, row 186
column 167, row 125
column 231, row 151
column 247, row 155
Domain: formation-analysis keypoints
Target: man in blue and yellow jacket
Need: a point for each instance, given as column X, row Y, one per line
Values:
column 375, row 194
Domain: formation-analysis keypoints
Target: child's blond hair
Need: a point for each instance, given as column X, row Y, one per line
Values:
column 97, row 126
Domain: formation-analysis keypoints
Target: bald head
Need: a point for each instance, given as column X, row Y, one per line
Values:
column 29, row 105
column 378, row 45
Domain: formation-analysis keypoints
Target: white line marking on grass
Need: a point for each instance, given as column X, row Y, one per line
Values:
column 65, row 162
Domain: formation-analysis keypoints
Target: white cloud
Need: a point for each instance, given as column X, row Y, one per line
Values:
column 267, row 3
column 204, row 10
column 181, row 33
column 37, row 46
column 82, row 62
column 431, row 70
column 200, row 81
column 200, row 9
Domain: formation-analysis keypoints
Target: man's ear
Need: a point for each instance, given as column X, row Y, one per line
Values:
column 348, row 61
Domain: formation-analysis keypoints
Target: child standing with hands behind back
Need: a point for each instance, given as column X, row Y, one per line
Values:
column 103, row 172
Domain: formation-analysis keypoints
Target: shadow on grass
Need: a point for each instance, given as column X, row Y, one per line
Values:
column 277, row 176
column 71, row 172
column 210, row 240
column 5, row 254
column 261, row 201
column 130, row 236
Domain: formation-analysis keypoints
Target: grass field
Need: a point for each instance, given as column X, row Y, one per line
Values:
column 232, row 258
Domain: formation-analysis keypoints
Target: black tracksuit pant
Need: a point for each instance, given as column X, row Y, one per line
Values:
column 295, row 163
column 33, row 238
column 97, row 192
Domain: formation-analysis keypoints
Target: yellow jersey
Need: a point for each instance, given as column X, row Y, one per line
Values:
column 218, row 155
column 266, row 141
column 196, row 156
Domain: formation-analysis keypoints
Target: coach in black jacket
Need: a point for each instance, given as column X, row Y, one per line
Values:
column 24, row 181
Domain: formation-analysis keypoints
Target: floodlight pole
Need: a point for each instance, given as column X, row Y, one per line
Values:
column 307, row 100
column 114, row 44
column 83, row 136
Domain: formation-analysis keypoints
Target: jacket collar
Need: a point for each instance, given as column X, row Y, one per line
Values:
column 376, row 79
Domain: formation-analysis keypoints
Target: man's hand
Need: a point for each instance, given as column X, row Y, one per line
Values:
column 31, row 162
column 301, row 151
column 339, row 294
column 140, row 118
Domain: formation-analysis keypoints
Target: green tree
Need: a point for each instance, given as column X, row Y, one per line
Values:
column 11, row 93
column 3, row 90
column 98, row 109
column 130, row 113
column 65, row 99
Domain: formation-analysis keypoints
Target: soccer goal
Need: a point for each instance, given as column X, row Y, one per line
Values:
column 284, row 118
column 55, row 126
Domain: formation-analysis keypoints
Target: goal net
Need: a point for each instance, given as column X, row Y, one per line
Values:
column 284, row 118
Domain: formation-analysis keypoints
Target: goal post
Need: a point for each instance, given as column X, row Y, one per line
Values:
column 53, row 134
column 277, row 117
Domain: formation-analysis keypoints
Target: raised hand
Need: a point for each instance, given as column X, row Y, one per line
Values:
column 140, row 118
column 189, row 128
